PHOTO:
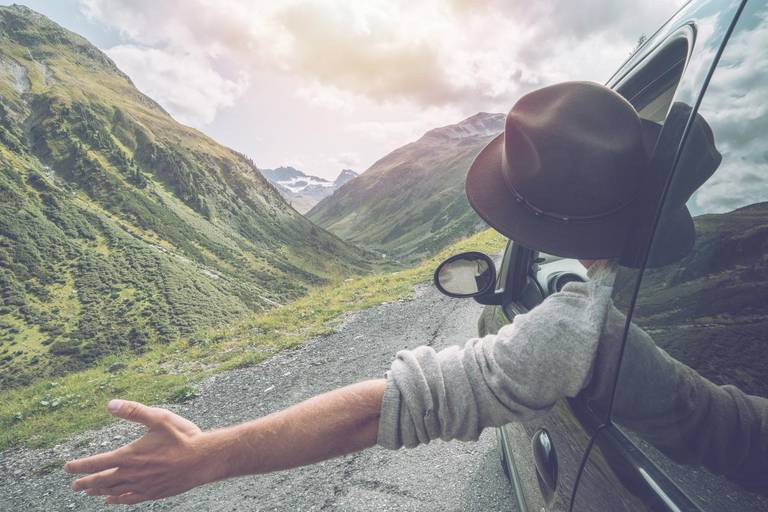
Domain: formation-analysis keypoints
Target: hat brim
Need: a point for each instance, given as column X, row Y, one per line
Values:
column 490, row 197
column 674, row 237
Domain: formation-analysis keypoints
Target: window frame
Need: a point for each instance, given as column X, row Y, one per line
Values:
column 657, row 69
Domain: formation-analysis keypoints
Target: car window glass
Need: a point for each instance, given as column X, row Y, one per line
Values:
column 651, row 90
column 656, row 109
column 693, row 386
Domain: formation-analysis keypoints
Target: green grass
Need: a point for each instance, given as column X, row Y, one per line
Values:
column 49, row 410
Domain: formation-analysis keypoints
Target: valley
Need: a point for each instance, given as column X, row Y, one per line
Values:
column 139, row 256
column 51, row 409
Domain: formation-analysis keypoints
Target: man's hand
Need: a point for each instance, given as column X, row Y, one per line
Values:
column 169, row 459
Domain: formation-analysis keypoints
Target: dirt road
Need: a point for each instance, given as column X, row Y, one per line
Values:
column 437, row 477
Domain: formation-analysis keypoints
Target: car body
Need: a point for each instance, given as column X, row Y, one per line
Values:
column 707, row 310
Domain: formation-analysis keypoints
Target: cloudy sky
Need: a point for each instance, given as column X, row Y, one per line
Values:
column 326, row 85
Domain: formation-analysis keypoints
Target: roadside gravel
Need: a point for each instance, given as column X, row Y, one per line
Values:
column 437, row 477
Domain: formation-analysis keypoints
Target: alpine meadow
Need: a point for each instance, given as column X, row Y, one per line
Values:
column 121, row 228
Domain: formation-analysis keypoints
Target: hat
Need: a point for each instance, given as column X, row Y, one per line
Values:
column 564, row 176
column 674, row 232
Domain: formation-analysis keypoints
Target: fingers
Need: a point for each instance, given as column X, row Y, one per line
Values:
column 115, row 490
column 130, row 498
column 95, row 463
column 125, row 409
column 135, row 412
column 100, row 480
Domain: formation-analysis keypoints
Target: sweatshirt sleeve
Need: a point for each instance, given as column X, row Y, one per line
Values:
column 515, row 375
column 689, row 418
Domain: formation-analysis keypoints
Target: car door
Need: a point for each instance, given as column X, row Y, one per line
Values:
column 707, row 309
column 544, row 457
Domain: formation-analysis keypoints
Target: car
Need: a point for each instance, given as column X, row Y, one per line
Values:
column 709, row 309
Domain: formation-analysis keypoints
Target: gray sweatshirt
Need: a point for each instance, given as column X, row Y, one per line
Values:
column 562, row 346
column 514, row 375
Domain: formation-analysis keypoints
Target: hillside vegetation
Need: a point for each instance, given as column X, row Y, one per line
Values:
column 121, row 229
column 709, row 309
column 411, row 202
column 50, row 409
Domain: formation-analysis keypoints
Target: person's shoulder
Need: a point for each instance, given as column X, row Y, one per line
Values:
column 575, row 291
column 565, row 306
column 572, row 304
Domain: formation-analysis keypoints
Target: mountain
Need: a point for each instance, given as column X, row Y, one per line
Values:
column 119, row 227
column 301, row 190
column 344, row 177
column 411, row 202
column 282, row 174
column 708, row 310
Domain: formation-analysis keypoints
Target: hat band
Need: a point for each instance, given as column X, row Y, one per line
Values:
column 561, row 217
column 540, row 212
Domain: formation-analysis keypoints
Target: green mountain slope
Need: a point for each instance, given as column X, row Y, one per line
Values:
column 412, row 202
column 119, row 227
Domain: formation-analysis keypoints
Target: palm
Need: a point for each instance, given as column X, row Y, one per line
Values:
column 165, row 461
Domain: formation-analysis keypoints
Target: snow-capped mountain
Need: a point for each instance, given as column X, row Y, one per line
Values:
column 345, row 176
column 303, row 191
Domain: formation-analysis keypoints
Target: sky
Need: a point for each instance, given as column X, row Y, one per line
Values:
column 328, row 85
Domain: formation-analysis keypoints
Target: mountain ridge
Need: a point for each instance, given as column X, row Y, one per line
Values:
column 482, row 124
column 411, row 202
column 707, row 310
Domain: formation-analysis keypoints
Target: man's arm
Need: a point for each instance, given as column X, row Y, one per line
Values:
column 175, row 455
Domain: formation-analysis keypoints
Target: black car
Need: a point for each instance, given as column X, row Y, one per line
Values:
column 708, row 310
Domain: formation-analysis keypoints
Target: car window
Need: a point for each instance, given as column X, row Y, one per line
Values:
column 692, row 391
column 650, row 88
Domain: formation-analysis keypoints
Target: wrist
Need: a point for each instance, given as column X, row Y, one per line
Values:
column 216, row 462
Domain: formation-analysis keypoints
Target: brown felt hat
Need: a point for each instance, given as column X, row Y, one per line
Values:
column 563, row 176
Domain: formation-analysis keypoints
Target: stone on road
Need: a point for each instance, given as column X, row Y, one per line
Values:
column 437, row 477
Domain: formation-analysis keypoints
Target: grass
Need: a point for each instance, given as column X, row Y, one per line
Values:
column 49, row 410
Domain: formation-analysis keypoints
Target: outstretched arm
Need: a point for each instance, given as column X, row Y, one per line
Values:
column 174, row 455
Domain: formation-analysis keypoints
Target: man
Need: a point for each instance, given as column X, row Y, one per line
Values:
column 565, row 177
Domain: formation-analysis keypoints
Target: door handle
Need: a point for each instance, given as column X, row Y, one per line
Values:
column 545, row 460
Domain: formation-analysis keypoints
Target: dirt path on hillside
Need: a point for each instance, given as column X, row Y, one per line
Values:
column 437, row 477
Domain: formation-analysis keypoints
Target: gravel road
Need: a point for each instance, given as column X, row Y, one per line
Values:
column 437, row 477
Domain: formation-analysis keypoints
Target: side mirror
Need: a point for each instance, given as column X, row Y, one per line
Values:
column 468, row 274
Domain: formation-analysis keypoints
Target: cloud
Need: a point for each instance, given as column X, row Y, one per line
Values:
column 346, row 160
column 481, row 53
column 404, row 127
column 367, row 51
column 588, row 17
column 734, row 106
column 327, row 97
column 179, row 53
column 188, row 87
